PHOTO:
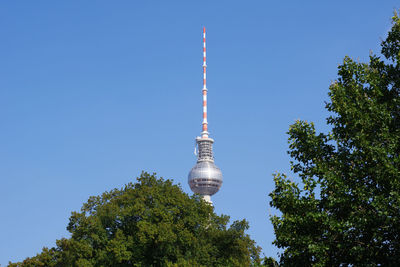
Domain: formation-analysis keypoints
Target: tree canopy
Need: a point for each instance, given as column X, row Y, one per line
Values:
column 344, row 209
column 149, row 223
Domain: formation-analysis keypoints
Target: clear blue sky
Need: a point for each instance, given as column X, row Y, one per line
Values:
column 94, row 92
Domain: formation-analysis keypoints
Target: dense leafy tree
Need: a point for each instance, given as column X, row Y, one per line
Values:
column 345, row 208
column 149, row 223
column 270, row 262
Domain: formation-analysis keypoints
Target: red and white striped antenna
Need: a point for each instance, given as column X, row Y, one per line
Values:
column 204, row 133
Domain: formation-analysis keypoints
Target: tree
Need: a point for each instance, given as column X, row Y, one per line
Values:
column 270, row 262
column 345, row 208
column 149, row 223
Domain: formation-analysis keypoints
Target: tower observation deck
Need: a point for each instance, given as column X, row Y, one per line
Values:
column 205, row 178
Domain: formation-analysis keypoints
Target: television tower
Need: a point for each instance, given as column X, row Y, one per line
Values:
column 205, row 178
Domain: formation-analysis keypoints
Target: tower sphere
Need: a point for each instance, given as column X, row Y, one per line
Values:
column 205, row 178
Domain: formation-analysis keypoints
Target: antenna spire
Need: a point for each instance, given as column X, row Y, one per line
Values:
column 204, row 133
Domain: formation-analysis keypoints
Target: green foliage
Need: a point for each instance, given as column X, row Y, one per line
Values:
column 149, row 223
column 346, row 209
column 267, row 261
